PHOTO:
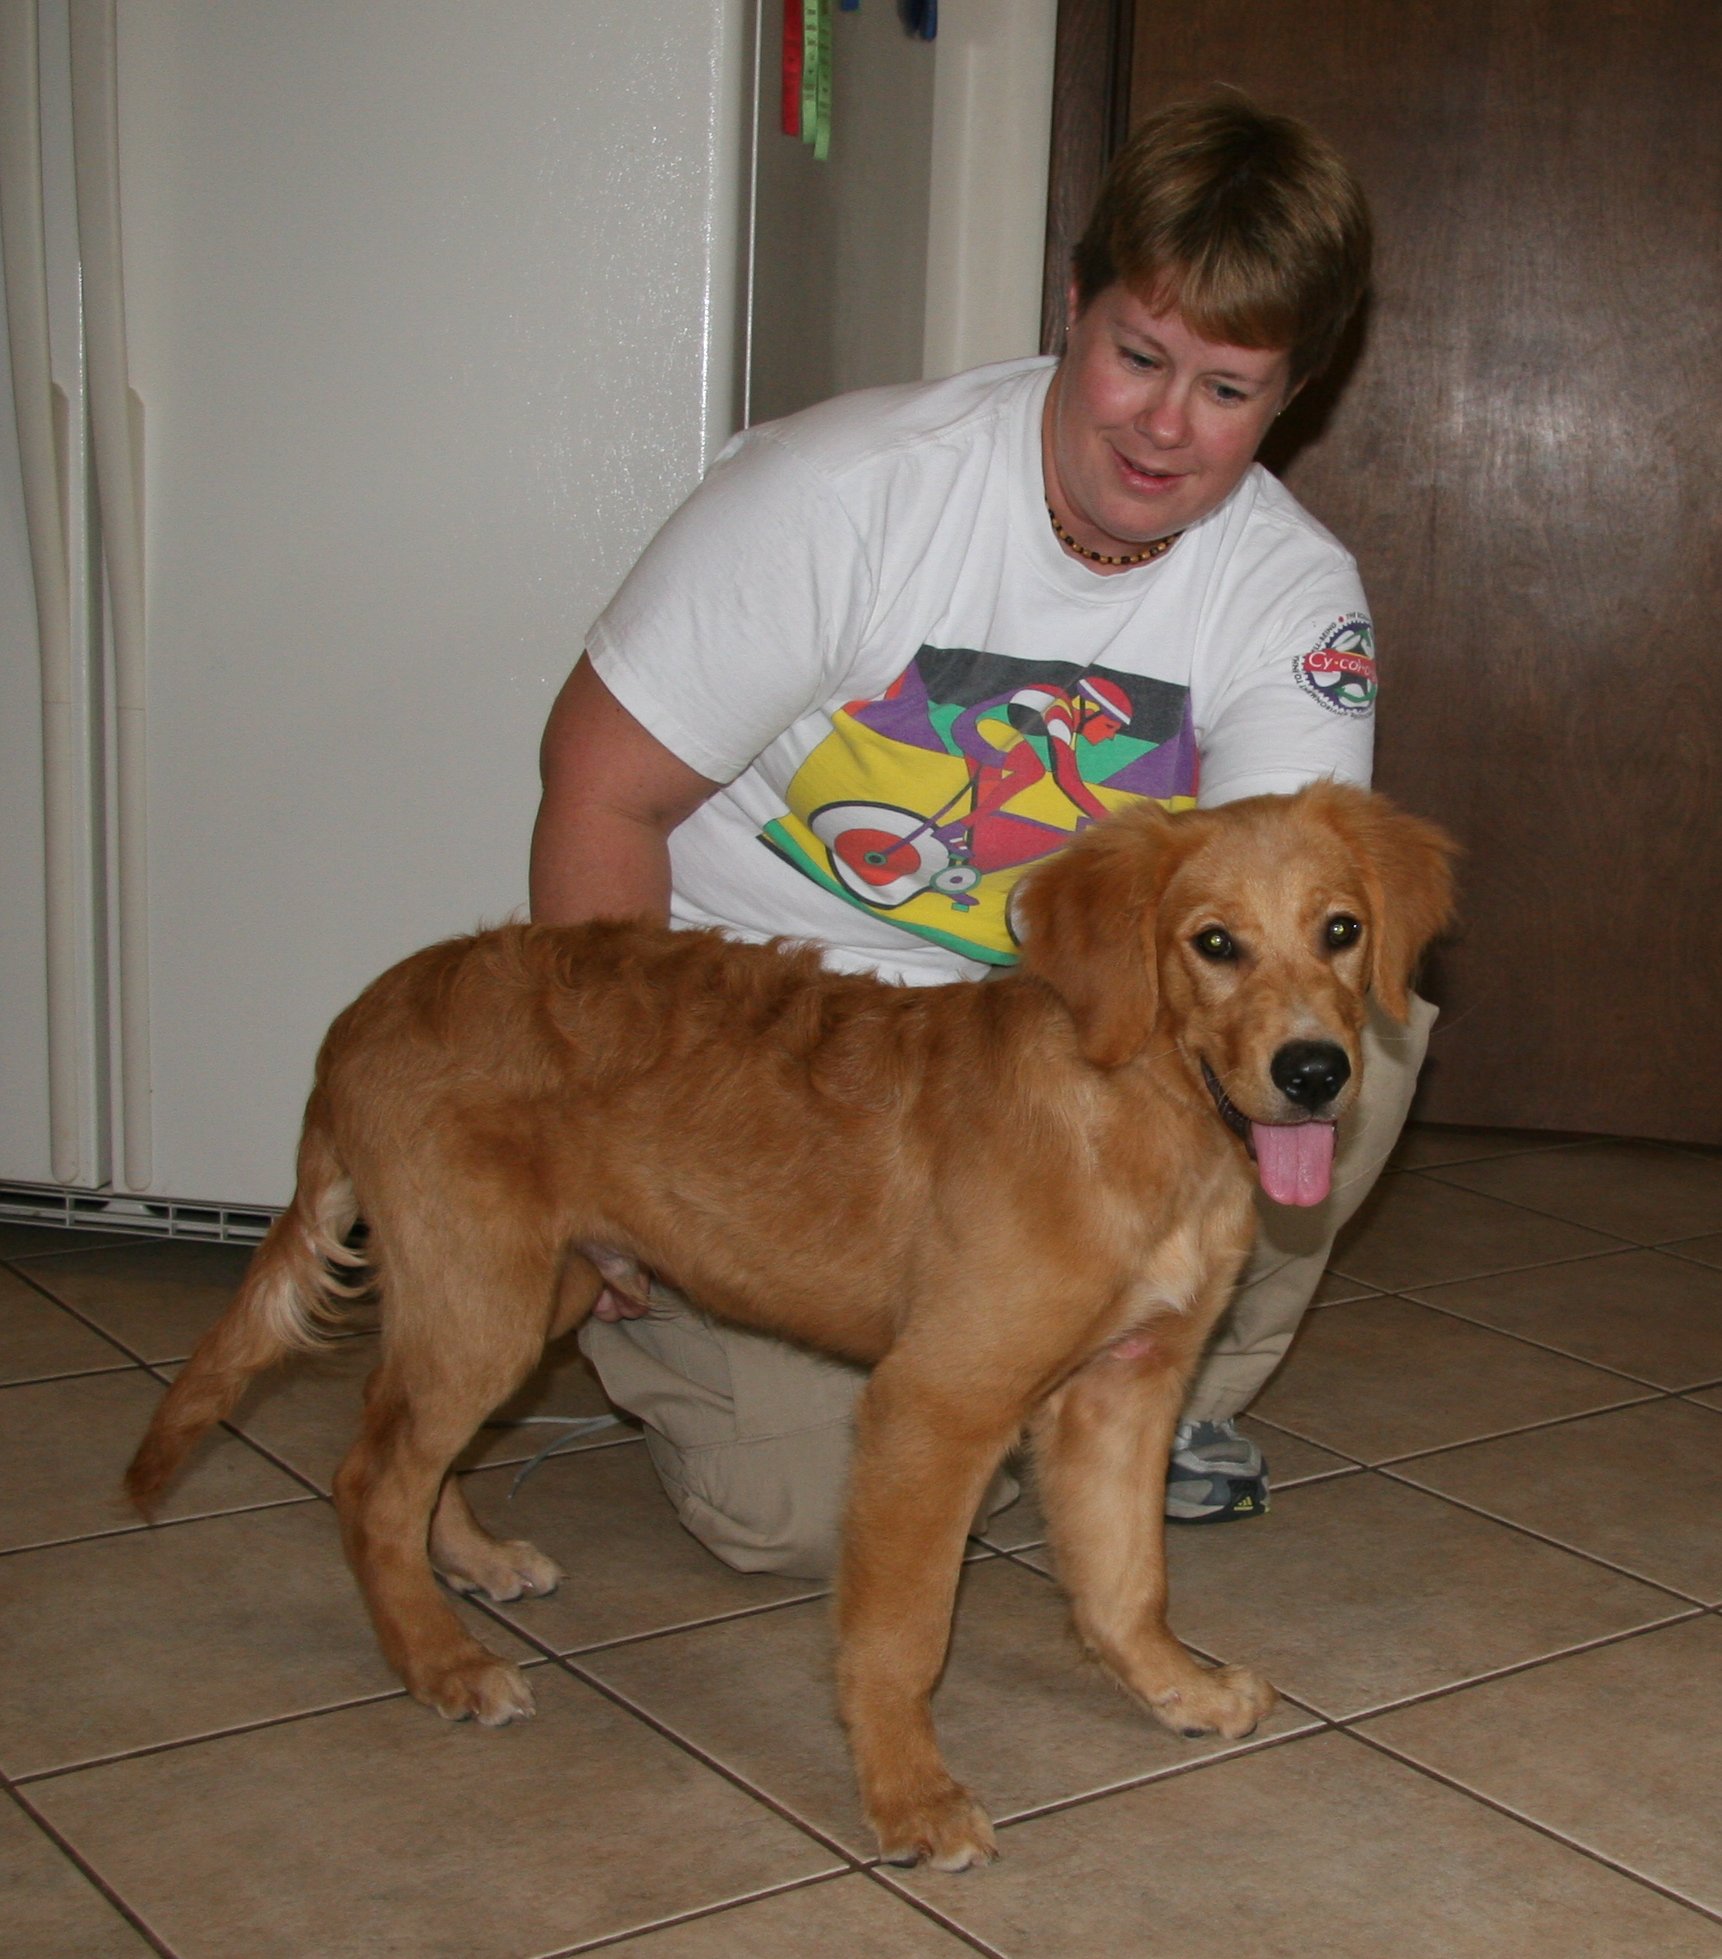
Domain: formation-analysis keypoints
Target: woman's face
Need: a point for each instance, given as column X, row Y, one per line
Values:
column 1148, row 427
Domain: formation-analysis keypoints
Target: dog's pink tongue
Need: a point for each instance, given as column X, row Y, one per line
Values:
column 1294, row 1160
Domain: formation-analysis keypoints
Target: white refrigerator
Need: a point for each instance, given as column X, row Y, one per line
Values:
column 356, row 348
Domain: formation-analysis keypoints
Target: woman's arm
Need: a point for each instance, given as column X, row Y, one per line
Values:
column 1289, row 697
column 601, row 845
column 612, row 795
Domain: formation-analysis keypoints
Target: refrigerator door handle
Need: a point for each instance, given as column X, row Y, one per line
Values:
column 41, row 410
column 116, row 419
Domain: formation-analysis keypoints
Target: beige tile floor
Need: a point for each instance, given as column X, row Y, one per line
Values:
column 1488, row 1588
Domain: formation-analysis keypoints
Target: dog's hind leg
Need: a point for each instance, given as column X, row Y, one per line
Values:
column 1101, row 1447
column 466, row 1556
column 462, row 1551
column 464, row 1323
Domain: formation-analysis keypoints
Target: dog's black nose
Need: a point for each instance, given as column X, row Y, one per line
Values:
column 1310, row 1073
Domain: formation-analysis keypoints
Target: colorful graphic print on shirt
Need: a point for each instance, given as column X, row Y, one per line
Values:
column 925, row 805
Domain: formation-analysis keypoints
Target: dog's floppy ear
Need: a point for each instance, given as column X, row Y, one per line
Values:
column 1407, row 868
column 1085, row 921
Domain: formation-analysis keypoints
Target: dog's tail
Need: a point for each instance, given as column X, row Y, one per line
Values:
column 291, row 1296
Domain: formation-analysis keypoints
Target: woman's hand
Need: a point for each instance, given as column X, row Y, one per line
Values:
column 611, row 1305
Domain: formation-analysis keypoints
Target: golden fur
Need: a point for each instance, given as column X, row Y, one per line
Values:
column 1015, row 1199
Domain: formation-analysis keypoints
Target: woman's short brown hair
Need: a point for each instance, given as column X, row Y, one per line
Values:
column 1250, row 224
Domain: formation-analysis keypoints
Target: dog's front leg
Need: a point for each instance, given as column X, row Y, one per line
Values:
column 922, row 1460
column 1101, row 1446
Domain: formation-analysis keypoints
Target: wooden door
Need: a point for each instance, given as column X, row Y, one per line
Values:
column 1521, row 445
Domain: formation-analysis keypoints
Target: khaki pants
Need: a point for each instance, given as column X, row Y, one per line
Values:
column 751, row 1437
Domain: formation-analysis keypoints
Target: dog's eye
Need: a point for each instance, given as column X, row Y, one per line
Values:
column 1343, row 930
column 1215, row 944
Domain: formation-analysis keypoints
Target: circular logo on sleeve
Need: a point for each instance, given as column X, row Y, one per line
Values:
column 1339, row 670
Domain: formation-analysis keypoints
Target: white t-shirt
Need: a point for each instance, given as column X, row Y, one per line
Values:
column 862, row 625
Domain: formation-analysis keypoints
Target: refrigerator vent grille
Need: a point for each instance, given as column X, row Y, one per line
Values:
column 131, row 1217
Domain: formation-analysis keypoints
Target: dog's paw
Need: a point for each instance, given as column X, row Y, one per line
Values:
column 1228, row 1701
column 483, row 1688
column 502, row 1571
column 949, row 1832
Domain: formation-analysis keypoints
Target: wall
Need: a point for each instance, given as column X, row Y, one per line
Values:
column 840, row 247
column 916, row 248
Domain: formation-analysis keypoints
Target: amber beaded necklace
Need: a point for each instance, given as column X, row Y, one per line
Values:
column 1146, row 556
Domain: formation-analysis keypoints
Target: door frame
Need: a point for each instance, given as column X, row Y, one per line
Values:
column 1090, row 118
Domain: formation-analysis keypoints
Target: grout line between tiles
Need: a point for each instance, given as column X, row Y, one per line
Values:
column 1464, row 1442
column 280, row 1462
column 335, row 1336
column 732, row 1776
column 1542, row 1829
column 1173, row 1770
column 1567, row 1420
column 88, row 1871
column 212, row 1734
column 1548, row 1148
column 1532, row 1665
column 98, row 1241
column 892, row 1888
column 163, row 1523
column 1319, row 1723
column 1404, row 1286
column 1543, row 1537
column 121, row 1365
column 83, row 1319
column 915, row 1904
column 652, row 1633
column 1671, row 1248
column 1345, row 1467
column 693, row 1916
column 1525, row 1339
column 1552, row 1217
column 153, row 1369
column 489, row 1465
column 1349, row 1461
column 1693, row 1608
column 1297, row 1435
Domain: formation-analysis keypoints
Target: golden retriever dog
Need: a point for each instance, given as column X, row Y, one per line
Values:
column 1022, row 1202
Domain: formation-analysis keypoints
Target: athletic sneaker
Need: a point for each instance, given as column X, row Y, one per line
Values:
column 1217, row 1474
